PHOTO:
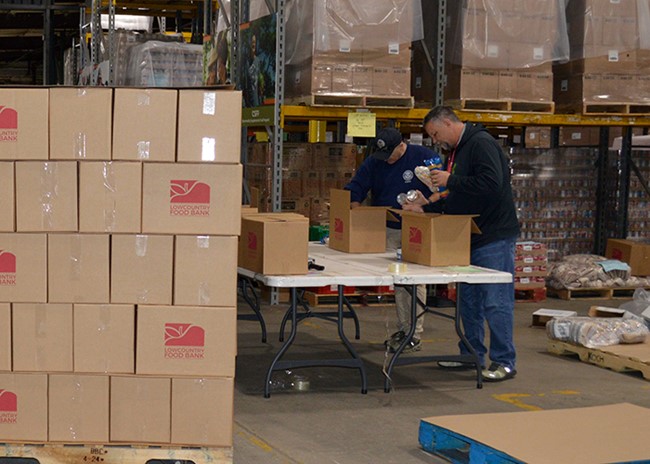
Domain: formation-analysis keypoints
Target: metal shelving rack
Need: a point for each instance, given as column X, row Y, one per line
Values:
column 414, row 116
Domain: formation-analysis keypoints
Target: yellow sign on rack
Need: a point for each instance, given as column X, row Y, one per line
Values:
column 362, row 124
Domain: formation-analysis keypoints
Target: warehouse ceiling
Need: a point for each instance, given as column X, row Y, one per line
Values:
column 23, row 22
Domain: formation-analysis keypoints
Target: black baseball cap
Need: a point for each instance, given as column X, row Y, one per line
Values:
column 384, row 143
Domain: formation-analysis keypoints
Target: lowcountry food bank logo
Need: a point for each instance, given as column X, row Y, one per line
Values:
column 8, row 407
column 184, row 341
column 338, row 228
column 8, row 124
column 415, row 238
column 7, row 268
column 189, row 198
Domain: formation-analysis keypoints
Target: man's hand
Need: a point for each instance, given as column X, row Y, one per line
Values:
column 412, row 207
column 439, row 178
column 354, row 204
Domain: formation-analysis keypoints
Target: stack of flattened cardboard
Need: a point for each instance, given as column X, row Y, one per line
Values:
column 119, row 221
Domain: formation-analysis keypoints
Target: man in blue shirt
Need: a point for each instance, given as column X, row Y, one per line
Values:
column 387, row 172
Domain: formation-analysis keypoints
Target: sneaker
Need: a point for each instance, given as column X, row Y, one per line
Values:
column 414, row 345
column 455, row 365
column 498, row 373
column 395, row 339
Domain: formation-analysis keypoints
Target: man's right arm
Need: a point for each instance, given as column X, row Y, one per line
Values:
column 359, row 186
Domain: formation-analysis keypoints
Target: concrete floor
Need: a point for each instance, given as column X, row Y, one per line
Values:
column 334, row 423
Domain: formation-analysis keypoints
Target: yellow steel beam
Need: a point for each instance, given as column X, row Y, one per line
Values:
column 415, row 115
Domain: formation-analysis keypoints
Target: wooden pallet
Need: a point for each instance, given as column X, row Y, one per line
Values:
column 367, row 101
column 597, row 293
column 361, row 299
column 619, row 358
column 607, row 109
column 530, row 295
column 458, row 448
column 512, row 106
column 108, row 454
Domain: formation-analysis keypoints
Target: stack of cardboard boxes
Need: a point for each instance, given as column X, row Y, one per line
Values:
column 343, row 49
column 609, row 60
column 531, row 261
column 118, row 254
column 501, row 49
column 309, row 171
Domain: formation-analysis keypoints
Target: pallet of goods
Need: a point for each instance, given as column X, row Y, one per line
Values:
column 117, row 330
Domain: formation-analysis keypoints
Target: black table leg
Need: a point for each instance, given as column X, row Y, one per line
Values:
column 472, row 357
column 254, row 304
column 346, row 342
column 292, row 335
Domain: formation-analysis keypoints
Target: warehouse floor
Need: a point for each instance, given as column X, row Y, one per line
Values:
column 334, row 423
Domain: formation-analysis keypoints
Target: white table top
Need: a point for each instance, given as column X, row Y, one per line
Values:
column 355, row 269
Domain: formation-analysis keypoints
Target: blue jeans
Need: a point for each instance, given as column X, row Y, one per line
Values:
column 494, row 303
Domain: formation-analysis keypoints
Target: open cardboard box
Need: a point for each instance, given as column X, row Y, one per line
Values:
column 434, row 239
column 358, row 230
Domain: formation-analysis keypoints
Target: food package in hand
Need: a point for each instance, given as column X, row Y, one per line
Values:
column 424, row 174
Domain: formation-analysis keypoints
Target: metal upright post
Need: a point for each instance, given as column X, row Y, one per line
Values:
column 95, row 32
column 600, row 220
column 111, row 42
column 624, row 184
column 279, row 101
column 440, row 53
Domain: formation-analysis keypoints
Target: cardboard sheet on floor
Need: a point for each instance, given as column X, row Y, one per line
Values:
column 612, row 433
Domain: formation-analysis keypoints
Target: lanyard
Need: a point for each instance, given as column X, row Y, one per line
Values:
column 450, row 163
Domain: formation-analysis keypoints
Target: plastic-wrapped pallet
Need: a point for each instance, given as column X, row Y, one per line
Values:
column 597, row 332
column 165, row 64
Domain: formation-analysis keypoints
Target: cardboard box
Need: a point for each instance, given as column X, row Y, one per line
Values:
column 202, row 411
column 144, row 124
column 104, row 338
column 191, row 199
column 78, row 268
column 23, row 268
column 140, row 409
column 437, row 239
column 603, row 311
column 358, row 230
column 525, row 283
column 42, row 337
column 579, row 136
column 634, row 253
column 297, row 156
column 5, row 337
column 197, row 281
column 208, row 124
column 78, row 408
column 141, row 269
column 24, row 124
column 23, row 407
column 8, row 197
column 80, row 123
column 186, row 340
column 311, row 183
column 110, row 197
column 543, row 315
column 538, row 137
column 298, row 206
column 46, row 196
column 339, row 156
column 274, row 243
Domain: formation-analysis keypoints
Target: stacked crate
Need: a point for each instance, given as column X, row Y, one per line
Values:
column 502, row 50
column 118, row 265
column 531, row 261
column 309, row 171
column 609, row 59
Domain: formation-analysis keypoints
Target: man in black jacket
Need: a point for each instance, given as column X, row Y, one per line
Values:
column 477, row 178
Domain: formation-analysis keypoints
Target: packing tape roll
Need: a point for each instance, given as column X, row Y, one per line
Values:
column 397, row 268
